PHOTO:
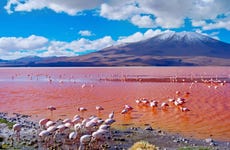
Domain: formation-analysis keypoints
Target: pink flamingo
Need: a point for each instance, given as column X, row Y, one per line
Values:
column 51, row 108
column 43, row 122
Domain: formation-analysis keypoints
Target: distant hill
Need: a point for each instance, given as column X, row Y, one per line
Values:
column 167, row 49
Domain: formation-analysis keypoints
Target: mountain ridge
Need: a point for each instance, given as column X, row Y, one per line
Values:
column 166, row 49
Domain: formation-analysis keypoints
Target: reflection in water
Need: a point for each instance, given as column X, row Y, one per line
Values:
column 205, row 90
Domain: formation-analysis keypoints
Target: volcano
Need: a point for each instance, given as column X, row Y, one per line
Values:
column 166, row 49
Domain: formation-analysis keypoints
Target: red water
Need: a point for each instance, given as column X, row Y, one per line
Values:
column 30, row 91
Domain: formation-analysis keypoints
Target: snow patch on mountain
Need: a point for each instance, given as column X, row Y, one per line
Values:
column 183, row 36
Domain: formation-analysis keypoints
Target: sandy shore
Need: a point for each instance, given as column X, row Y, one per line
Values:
column 120, row 139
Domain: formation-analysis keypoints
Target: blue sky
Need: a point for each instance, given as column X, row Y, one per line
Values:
column 75, row 27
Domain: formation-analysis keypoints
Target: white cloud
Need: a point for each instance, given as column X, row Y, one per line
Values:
column 138, row 36
column 218, row 25
column 71, row 7
column 169, row 14
column 32, row 42
column 212, row 35
column 142, row 21
column 198, row 23
column 16, row 47
column 85, row 44
column 85, row 33
column 119, row 11
column 76, row 47
column 164, row 13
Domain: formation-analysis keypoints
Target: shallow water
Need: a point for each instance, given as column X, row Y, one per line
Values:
column 32, row 90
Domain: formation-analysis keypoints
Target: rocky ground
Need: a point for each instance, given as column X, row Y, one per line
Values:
column 120, row 139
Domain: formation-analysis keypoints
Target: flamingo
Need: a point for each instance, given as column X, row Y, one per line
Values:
column 61, row 128
column 43, row 122
column 99, row 122
column 90, row 125
column 76, row 116
column 179, row 102
column 164, row 105
column 49, row 123
column 83, row 85
column 104, row 127
column 129, row 108
column 109, row 121
column 171, row 100
column 124, row 111
column 17, row 128
column 67, row 120
column 111, row 115
column 76, row 120
column 68, row 124
column 99, row 136
column 145, row 101
column 153, row 103
column 138, row 102
column 99, row 108
column 82, row 109
column 44, row 135
column 51, row 108
column 85, row 141
column 177, row 92
column 184, row 109
column 52, row 128
column 77, row 127
column 73, row 136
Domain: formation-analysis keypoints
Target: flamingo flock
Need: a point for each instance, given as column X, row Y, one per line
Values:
column 90, row 132
column 154, row 104
column 78, row 132
column 93, row 131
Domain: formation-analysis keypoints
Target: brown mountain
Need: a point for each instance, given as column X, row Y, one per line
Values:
column 167, row 49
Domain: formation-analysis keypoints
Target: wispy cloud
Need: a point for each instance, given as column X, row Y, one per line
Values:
column 85, row 33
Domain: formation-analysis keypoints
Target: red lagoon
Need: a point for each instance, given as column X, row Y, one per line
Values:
column 205, row 90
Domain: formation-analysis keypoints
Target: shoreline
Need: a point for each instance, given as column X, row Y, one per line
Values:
column 120, row 139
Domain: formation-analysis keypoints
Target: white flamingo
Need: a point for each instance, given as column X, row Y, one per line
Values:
column 99, row 108
column 153, row 103
column 82, row 109
column 164, row 105
column 17, row 128
column 111, row 115
column 85, row 141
